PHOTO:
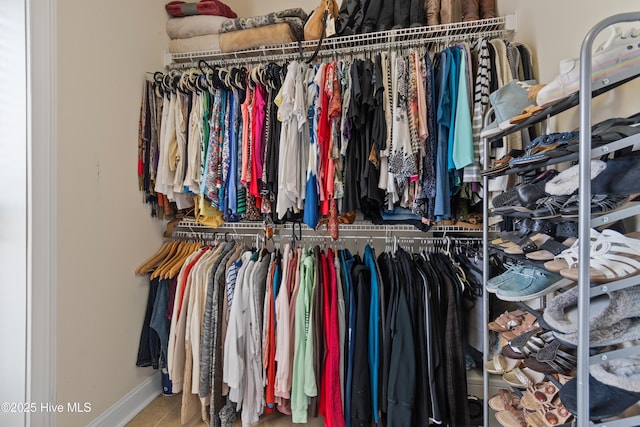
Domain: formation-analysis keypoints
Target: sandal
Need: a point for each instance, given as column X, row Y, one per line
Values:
column 529, row 323
column 569, row 257
column 502, row 164
column 511, row 417
column 507, row 321
column 504, row 399
column 538, row 152
column 613, row 257
column 549, row 249
column 557, row 358
column 532, row 244
column 500, row 365
column 523, row 378
column 537, row 396
column 600, row 204
column 527, row 227
column 554, row 414
column 549, row 207
column 529, row 111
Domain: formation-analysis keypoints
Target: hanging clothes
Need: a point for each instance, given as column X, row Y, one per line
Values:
column 393, row 135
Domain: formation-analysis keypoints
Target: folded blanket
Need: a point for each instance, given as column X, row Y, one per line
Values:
column 195, row 44
column 254, row 37
column 203, row 7
column 191, row 26
column 294, row 17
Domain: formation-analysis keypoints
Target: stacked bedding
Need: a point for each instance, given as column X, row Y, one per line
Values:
column 212, row 25
column 195, row 27
column 280, row 27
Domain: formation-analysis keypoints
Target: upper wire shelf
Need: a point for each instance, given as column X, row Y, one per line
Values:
column 405, row 37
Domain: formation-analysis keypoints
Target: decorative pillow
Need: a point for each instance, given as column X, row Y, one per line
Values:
column 203, row 7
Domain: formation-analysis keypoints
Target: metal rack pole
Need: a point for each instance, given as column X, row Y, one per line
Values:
column 584, row 212
column 485, row 277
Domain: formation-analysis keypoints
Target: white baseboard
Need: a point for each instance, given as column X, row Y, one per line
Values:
column 130, row 405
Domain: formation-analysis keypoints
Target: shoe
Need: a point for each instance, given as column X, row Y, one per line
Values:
column 528, row 245
column 507, row 321
column 502, row 164
column 550, row 249
column 550, row 415
column 530, row 283
column 538, row 395
column 600, row 205
column 495, row 282
column 610, row 62
column 526, row 228
column 613, row 256
column 605, row 401
column 504, row 399
column 500, row 365
column 566, row 182
column 523, row 378
column 508, row 101
column 561, row 313
column 569, row 257
column 620, row 177
column 528, row 194
column 538, row 148
column 511, row 417
column 549, row 207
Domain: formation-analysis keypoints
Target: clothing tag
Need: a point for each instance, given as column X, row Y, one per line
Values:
column 331, row 27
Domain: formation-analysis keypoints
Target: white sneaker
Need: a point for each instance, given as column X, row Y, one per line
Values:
column 614, row 60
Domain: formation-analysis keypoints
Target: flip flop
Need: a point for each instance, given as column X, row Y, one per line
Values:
column 526, row 113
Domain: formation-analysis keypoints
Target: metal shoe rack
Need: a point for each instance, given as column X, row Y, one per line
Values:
column 588, row 90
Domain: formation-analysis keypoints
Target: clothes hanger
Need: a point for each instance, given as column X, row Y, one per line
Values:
column 156, row 258
column 173, row 249
column 169, row 262
column 175, row 269
column 179, row 261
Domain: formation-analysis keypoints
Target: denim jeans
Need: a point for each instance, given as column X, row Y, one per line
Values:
column 159, row 321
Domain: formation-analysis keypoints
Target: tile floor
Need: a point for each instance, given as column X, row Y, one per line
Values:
column 164, row 411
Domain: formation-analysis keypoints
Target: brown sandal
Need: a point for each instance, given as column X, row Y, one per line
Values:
column 511, row 417
column 504, row 399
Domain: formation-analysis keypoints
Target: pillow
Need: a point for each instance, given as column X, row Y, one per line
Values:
column 203, row 7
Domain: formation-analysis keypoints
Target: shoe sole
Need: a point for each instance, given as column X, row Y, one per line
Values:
column 562, row 283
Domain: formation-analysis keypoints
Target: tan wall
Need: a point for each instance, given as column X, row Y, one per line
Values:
column 555, row 31
column 252, row 7
column 104, row 230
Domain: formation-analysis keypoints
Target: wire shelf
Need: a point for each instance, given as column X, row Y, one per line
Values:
column 359, row 43
column 189, row 228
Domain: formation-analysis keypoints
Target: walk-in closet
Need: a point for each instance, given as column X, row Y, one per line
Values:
column 347, row 213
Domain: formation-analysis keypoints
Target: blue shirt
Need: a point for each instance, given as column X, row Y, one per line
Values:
column 374, row 330
column 442, row 209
